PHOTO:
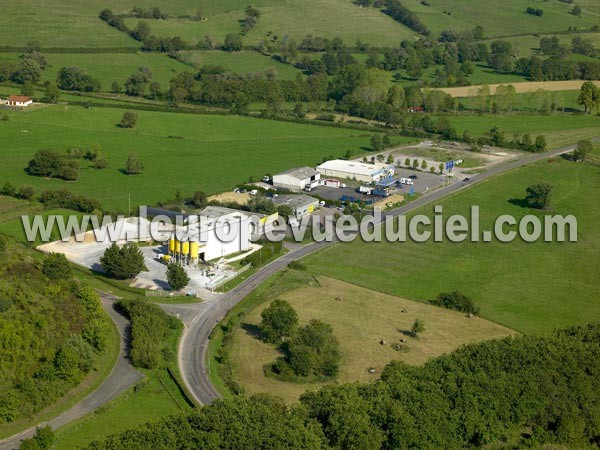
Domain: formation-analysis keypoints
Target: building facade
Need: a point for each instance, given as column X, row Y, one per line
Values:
column 302, row 205
column 296, row 180
column 354, row 170
column 21, row 101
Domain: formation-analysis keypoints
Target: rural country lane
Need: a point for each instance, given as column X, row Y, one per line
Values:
column 122, row 377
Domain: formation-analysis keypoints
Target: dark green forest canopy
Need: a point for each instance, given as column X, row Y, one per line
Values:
column 542, row 389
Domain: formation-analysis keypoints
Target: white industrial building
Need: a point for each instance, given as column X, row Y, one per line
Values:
column 302, row 205
column 258, row 224
column 296, row 180
column 354, row 170
column 219, row 235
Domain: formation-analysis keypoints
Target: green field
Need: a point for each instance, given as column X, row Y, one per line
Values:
column 75, row 24
column 503, row 18
column 529, row 45
column 482, row 74
column 559, row 129
column 211, row 153
column 532, row 101
column 109, row 67
column 360, row 321
column 530, row 287
column 241, row 62
column 293, row 18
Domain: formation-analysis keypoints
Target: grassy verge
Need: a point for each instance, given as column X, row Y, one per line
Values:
column 158, row 395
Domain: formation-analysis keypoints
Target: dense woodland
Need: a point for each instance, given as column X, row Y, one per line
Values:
column 52, row 330
column 523, row 391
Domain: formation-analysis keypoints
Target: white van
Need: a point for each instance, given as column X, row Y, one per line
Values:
column 407, row 181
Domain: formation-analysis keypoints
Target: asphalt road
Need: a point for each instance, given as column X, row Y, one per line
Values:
column 200, row 319
column 122, row 377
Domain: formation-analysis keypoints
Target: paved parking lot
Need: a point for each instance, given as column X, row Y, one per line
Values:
column 423, row 183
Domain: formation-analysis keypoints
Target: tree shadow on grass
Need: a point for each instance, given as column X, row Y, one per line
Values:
column 521, row 202
column 253, row 330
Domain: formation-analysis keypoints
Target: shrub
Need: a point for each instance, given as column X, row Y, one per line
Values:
column 66, row 199
column 538, row 195
column 56, row 266
column 129, row 120
column 49, row 163
column 177, row 276
column 279, row 320
column 312, row 352
column 123, row 262
column 456, row 301
column 133, row 165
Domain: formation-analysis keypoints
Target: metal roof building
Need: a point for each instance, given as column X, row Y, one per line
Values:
column 296, row 179
column 354, row 170
column 301, row 204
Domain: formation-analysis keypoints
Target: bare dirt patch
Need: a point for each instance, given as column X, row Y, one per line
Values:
column 234, row 197
column 520, row 88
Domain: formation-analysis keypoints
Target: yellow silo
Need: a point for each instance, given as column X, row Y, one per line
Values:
column 194, row 246
column 177, row 246
column 185, row 247
column 172, row 244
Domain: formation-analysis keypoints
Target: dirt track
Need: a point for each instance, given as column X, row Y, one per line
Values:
column 471, row 91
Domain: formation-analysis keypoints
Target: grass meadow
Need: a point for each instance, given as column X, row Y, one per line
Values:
column 109, row 67
column 240, row 62
column 179, row 151
column 360, row 318
column 295, row 19
column 559, row 129
column 529, row 287
column 503, row 18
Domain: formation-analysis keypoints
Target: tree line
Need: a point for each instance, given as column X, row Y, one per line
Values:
column 519, row 391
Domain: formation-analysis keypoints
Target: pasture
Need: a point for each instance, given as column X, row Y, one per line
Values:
column 240, row 62
column 503, row 18
column 360, row 318
column 110, row 67
column 179, row 151
column 559, row 129
column 529, row 287
column 294, row 18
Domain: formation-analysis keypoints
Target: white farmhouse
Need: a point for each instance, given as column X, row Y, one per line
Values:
column 21, row 101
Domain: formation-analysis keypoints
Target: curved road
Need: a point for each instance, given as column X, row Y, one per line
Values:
column 200, row 319
column 121, row 378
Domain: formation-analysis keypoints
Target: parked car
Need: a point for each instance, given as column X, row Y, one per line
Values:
column 466, row 180
column 253, row 192
column 413, row 177
column 266, row 179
